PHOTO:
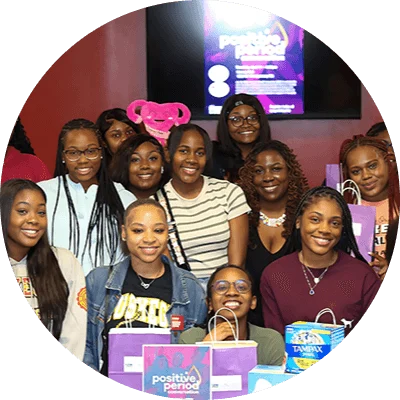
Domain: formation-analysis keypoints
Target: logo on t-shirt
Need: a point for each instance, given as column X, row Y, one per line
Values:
column 149, row 310
column 81, row 299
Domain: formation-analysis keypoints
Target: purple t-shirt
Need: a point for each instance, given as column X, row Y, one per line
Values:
column 347, row 288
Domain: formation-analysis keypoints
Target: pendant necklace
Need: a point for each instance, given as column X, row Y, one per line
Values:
column 316, row 280
column 272, row 222
column 144, row 284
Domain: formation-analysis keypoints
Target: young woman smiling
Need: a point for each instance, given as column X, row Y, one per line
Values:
column 139, row 165
column 321, row 272
column 273, row 182
column 241, row 125
column 85, row 207
column 231, row 287
column 145, row 288
column 367, row 161
column 50, row 278
column 210, row 215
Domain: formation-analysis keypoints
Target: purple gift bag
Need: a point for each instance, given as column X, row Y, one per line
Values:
column 231, row 362
column 363, row 222
column 333, row 176
column 125, row 356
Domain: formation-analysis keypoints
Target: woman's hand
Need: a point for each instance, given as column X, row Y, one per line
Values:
column 222, row 331
column 381, row 263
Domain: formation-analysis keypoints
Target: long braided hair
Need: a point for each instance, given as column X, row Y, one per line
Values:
column 347, row 242
column 42, row 265
column 297, row 186
column 393, row 182
column 108, row 210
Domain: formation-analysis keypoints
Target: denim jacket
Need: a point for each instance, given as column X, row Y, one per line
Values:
column 188, row 299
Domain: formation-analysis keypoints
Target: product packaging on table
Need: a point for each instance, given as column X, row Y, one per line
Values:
column 265, row 376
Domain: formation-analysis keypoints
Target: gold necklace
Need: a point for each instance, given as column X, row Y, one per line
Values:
column 272, row 222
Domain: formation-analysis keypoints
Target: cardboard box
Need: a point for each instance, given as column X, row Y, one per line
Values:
column 308, row 342
column 265, row 376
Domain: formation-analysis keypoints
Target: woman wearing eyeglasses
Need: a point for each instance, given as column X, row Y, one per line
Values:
column 242, row 124
column 231, row 287
column 85, row 208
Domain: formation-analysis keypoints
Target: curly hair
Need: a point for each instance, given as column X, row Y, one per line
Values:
column 298, row 184
column 393, row 182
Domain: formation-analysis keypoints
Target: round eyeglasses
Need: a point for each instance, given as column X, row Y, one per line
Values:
column 92, row 153
column 237, row 120
column 222, row 286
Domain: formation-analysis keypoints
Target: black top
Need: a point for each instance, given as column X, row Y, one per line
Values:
column 139, row 307
column 256, row 261
column 225, row 166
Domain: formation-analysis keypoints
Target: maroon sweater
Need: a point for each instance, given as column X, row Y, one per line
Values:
column 347, row 288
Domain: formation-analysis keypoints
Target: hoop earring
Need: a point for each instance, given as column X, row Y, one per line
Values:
column 162, row 170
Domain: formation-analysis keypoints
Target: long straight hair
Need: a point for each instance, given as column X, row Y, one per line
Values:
column 108, row 210
column 43, row 268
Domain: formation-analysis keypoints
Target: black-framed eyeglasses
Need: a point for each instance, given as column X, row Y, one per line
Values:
column 237, row 120
column 92, row 153
column 241, row 285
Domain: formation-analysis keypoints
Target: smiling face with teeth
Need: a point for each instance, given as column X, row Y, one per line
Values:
column 271, row 178
column 369, row 170
column 239, row 303
column 246, row 133
column 28, row 223
column 145, row 232
column 321, row 226
column 189, row 161
column 145, row 168
column 83, row 171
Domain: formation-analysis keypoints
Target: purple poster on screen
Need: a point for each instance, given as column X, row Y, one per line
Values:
column 251, row 51
column 177, row 371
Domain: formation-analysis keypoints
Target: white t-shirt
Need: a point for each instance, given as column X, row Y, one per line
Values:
column 73, row 333
column 83, row 204
column 203, row 222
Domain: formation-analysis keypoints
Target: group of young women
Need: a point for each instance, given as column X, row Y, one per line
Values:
column 193, row 228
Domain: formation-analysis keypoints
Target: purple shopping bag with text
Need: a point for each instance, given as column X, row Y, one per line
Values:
column 363, row 221
column 231, row 362
column 125, row 354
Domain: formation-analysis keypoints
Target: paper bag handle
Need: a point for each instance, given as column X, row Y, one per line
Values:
column 324, row 311
column 354, row 189
column 216, row 315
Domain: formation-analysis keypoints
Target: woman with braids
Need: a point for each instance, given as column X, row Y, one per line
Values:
column 367, row 161
column 232, row 287
column 139, row 165
column 380, row 131
column 20, row 160
column 242, row 124
column 50, row 278
column 273, row 182
column 85, row 206
column 115, row 127
column 146, row 288
column 320, row 273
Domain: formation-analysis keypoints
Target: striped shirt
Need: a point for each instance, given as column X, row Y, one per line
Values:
column 203, row 222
